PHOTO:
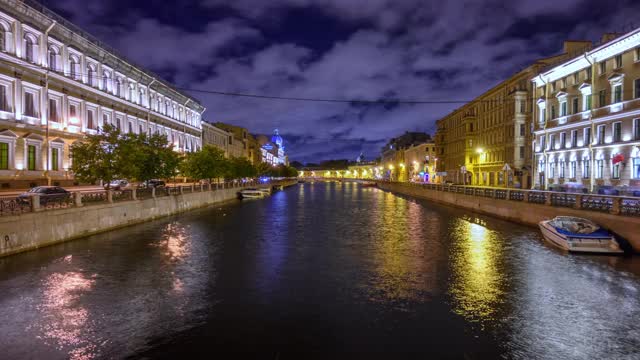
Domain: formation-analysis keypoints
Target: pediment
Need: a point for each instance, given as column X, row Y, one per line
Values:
column 8, row 133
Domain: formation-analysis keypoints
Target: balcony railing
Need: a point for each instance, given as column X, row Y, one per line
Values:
column 617, row 205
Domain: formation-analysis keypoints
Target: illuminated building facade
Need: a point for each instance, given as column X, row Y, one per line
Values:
column 587, row 128
column 393, row 154
column 58, row 84
column 213, row 135
column 487, row 141
column 421, row 162
column 237, row 142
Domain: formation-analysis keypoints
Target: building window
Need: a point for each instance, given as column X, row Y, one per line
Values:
column 562, row 167
column 53, row 110
column 602, row 98
column 636, row 129
column 90, row 120
column 72, row 67
column 53, row 63
column 599, row 168
column 574, row 138
column 615, row 171
column 521, row 152
column 29, row 104
column 4, row 156
column 636, row 88
column 587, row 74
column 600, row 134
column 618, row 61
column 553, row 112
column 638, row 54
column 2, row 39
column 575, row 78
column 91, row 76
column 563, row 108
column 617, row 132
column 572, row 169
column 4, row 98
column 73, row 113
column 602, row 67
column 522, row 130
column 141, row 129
column 552, row 141
column 55, row 155
column 31, row 157
column 586, row 102
column 552, row 169
column 542, row 142
column 28, row 49
column 636, row 168
column 575, row 106
column 587, row 137
column 130, row 127
column 585, row 168
column 563, row 140
column 617, row 93
column 118, row 87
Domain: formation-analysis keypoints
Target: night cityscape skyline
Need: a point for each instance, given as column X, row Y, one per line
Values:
column 339, row 50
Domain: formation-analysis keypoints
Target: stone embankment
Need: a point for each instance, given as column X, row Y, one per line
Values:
column 86, row 214
column 620, row 215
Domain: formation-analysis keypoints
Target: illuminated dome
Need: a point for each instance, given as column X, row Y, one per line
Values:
column 277, row 139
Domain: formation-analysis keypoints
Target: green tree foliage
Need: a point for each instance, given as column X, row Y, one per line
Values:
column 111, row 155
column 241, row 168
column 209, row 163
column 157, row 160
column 98, row 157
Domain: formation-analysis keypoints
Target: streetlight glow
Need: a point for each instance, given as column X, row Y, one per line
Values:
column 479, row 150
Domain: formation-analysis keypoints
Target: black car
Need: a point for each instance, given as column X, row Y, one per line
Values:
column 153, row 183
column 47, row 194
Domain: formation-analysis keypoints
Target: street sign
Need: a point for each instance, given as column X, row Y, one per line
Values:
column 506, row 167
column 463, row 169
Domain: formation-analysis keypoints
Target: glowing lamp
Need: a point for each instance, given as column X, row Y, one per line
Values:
column 479, row 150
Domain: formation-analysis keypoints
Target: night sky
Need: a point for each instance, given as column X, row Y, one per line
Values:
column 342, row 49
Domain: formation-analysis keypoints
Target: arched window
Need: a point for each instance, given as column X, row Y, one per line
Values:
column 73, row 67
column 53, row 58
column 29, row 45
column 141, row 96
column 3, row 40
column 106, row 77
column 132, row 93
column 92, row 79
column 118, row 87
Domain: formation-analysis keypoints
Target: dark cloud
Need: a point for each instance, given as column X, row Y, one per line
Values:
column 341, row 49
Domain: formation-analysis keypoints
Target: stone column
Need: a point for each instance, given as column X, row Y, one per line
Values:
column 616, row 206
column 153, row 192
column 181, row 190
column 110, row 196
column 526, row 197
column 134, row 195
column 35, row 203
column 77, row 197
column 547, row 198
column 578, row 204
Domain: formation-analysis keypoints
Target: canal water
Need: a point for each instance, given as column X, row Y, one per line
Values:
column 320, row 270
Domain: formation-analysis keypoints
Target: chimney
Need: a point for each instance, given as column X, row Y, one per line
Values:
column 576, row 46
column 606, row 37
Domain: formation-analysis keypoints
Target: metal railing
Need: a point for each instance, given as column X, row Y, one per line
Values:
column 617, row 205
column 16, row 205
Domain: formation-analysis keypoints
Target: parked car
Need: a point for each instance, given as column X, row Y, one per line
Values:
column 117, row 185
column 155, row 183
column 47, row 194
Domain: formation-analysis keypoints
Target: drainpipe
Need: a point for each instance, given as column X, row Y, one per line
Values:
column 591, row 124
column 46, row 105
column 149, row 104
column 544, row 128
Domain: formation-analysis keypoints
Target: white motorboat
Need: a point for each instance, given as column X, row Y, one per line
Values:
column 252, row 194
column 576, row 234
column 266, row 190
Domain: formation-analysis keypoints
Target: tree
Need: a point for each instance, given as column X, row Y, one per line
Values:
column 209, row 163
column 98, row 157
column 241, row 167
column 264, row 169
column 153, row 155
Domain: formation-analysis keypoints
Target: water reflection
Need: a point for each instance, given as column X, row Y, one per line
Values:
column 477, row 284
column 65, row 322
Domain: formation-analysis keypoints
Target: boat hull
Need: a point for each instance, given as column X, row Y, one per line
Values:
column 577, row 244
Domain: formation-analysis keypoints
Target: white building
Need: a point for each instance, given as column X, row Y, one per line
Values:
column 58, row 83
column 587, row 131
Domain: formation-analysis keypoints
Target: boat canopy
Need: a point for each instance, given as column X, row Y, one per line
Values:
column 575, row 225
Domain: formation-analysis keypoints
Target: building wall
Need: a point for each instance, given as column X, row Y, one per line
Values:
column 212, row 135
column 562, row 142
column 237, row 140
column 57, row 85
column 421, row 159
column 479, row 141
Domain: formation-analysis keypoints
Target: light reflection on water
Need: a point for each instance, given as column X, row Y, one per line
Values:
column 335, row 267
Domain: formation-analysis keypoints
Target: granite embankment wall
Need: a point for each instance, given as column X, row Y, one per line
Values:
column 33, row 230
column 628, row 227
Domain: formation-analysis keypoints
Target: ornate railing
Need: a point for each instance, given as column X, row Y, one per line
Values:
column 618, row 205
column 11, row 205
column 122, row 195
column 52, row 203
column 94, row 197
